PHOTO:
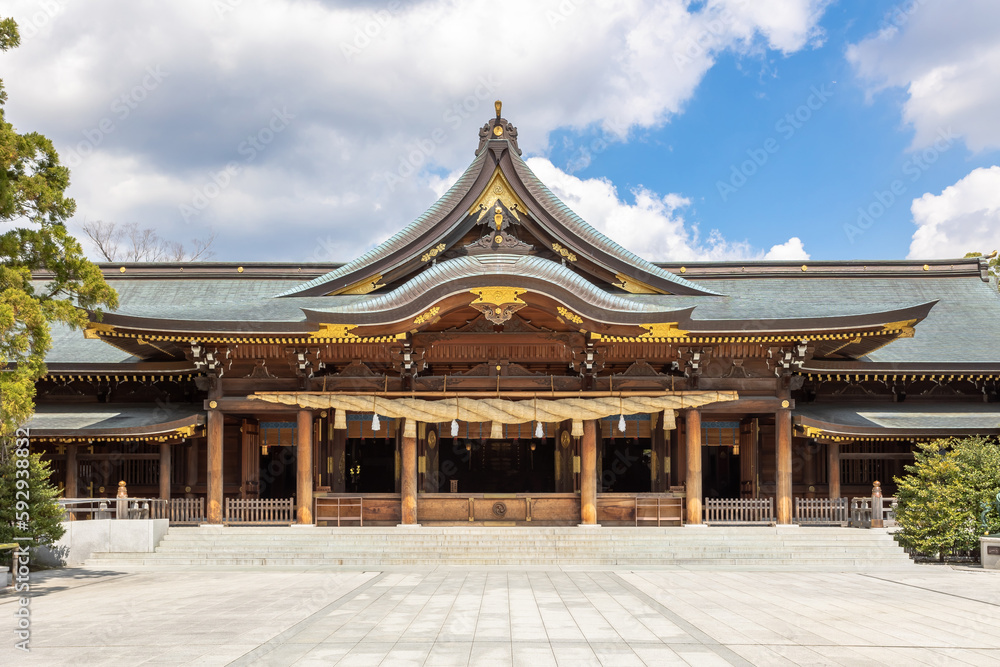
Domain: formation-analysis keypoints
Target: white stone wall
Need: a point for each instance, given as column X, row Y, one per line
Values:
column 84, row 538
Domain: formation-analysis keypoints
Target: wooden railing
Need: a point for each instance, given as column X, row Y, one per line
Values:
column 339, row 508
column 260, row 510
column 739, row 510
column 179, row 510
column 834, row 511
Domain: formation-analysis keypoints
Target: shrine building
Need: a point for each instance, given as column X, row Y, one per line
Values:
column 501, row 362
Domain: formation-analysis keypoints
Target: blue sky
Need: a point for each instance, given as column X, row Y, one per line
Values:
column 825, row 168
column 310, row 130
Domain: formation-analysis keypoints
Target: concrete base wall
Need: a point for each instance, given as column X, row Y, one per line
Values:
column 990, row 561
column 84, row 538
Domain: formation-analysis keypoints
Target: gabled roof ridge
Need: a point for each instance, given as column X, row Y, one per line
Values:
column 432, row 215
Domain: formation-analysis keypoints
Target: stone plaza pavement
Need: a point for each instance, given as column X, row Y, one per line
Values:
column 925, row 615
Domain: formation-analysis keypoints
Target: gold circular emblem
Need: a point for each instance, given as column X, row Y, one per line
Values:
column 498, row 239
column 432, row 440
column 785, row 404
column 213, row 404
column 498, row 311
column 497, row 130
column 497, row 190
column 564, row 438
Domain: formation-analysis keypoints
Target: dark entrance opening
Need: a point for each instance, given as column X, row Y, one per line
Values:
column 481, row 465
column 720, row 460
column 277, row 472
column 370, row 465
column 625, row 465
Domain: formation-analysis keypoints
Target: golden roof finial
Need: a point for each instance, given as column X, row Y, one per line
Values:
column 498, row 104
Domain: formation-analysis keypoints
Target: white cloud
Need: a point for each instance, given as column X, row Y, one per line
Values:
column 791, row 249
column 965, row 217
column 376, row 93
column 945, row 55
column 652, row 227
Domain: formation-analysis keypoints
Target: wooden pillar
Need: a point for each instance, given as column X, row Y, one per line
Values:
column 164, row 471
column 72, row 477
column 214, row 504
column 303, row 477
column 692, row 435
column 833, row 468
column 783, row 476
column 408, row 481
column 588, row 474
column 338, row 483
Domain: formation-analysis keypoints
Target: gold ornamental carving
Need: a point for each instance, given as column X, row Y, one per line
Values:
column 427, row 316
column 498, row 304
column 498, row 295
column 432, row 253
column 904, row 327
column 569, row 315
column 663, row 330
column 95, row 329
column 498, row 190
column 369, row 284
column 335, row 331
column 634, row 286
column 564, row 252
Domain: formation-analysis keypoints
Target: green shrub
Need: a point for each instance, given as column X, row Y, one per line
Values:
column 941, row 498
column 39, row 516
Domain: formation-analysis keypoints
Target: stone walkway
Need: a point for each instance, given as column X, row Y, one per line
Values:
column 931, row 615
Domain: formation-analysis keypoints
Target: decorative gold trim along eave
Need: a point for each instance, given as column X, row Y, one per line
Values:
column 328, row 333
column 887, row 377
column 682, row 336
column 183, row 432
column 119, row 377
column 803, row 431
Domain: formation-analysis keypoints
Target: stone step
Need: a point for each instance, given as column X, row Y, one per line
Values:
column 750, row 547
column 403, row 548
column 764, row 563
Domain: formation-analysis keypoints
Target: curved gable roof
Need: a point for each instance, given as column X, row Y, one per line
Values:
column 447, row 220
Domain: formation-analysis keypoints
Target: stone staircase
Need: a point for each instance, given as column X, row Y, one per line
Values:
column 704, row 548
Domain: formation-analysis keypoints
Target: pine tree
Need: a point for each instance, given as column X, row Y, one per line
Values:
column 28, row 506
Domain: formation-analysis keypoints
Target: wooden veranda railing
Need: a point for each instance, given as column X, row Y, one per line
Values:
column 739, row 510
column 828, row 511
column 260, row 510
column 179, row 510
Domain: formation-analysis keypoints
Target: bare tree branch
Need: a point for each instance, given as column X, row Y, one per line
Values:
column 129, row 243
